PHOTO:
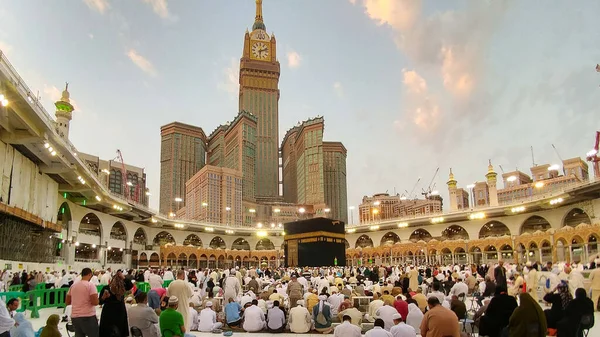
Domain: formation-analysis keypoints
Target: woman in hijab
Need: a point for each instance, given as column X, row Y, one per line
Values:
column 51, row 328
column 22, row 328
column 559, row 298
column 571, row 325
column 113, row 320
column 322, row 316
column 528, row 319
column 414, row 317
column 498, row 313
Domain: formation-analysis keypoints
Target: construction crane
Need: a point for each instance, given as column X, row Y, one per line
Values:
column 501, row 169
column 124, row 181
column 428, row 192
column 559, row 157
column 413, row 189
column 592, row 157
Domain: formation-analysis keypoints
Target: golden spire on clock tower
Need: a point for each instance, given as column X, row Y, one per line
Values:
column 258, row 20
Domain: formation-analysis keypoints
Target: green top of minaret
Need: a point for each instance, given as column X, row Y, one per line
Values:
column 258, row 20
column 64, row 104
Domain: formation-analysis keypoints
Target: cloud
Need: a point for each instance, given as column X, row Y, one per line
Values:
column 141, row 62
column 231, row 79
column 339, row 90
column 99, row 6
column 447, row 52
column 91, row 36
column 54, row 94
column 353, row 2
column 161, row 8
column 294, row 59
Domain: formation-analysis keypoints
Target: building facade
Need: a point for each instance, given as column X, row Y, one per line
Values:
column 214, row 195
column 182, row 155
column 383, row 206
column 334, row 176
column 259, row 95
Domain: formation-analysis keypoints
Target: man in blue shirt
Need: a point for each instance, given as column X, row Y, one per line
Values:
column 232, row 313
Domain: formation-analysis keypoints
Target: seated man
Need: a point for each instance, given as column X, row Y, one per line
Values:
column 232, row 313
column 300, row 319
column 254, row 318
column 171, row 321
column 275, row 319
column 459, row 307
column 208, row 319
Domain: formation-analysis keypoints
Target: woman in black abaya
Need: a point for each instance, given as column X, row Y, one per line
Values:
column 113, row 320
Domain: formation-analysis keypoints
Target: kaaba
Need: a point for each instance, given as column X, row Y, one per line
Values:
column 316, row 242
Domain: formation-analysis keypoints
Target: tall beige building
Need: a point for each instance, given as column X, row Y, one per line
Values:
column 259, row 95
column 334, row 176
column 314, row 171
column 234, row 146
column 214, row 195
column 182, row 155
column 383, row 206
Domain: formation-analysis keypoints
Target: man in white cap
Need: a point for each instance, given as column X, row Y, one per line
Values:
column 401, row 329
column 232, row 287
column 208, row 319
column 171, row 321
column 254, row 318
column 299, row 318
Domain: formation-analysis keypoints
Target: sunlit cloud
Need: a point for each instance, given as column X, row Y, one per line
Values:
column 100, row 6
column 339, row 90
column 141, row 62
column 160, row 8
column 294, row 59
column 230, row 82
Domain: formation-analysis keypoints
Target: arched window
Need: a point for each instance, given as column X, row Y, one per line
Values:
column 115, row 181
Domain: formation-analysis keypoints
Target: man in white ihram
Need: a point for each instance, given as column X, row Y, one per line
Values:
column 232, row 288
column 208, row 319
column 254, row 318
column 182, row 291
column 347, row 329
column 168, row 275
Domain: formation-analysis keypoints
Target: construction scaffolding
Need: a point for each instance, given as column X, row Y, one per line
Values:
column 27, row 242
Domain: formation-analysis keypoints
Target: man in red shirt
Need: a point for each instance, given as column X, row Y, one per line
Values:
column 83, row 297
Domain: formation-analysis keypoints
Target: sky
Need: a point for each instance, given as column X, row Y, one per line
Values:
column 407, row 85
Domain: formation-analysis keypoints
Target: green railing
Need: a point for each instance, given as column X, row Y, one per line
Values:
column 40, row 286
column 15, row 294
column 143, row 286
column 166, row 283
column 16, row 288
column 50, row 298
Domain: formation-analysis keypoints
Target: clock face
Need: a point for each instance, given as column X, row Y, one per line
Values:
column 260, row 50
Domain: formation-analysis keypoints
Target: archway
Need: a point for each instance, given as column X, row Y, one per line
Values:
column 535, row 223
column 240, row 244
column 171, row 259
column 345, row 242
column 506, row 252
column 163, row 238
column 592, row 245
column 493, row 229
column 140, row 237
column 446, row 256
column 364, row 241
column 546, row 251
column 182, row 260
column 143, row 260
column 265, row 244
column 193, row 261
column 192, row 240
column 420, row 235
column 64, row 215
column 154, row 260
column 460, row 255
column 477, row 255
column 575, row 217
column 217, row 243
column 90, row 224
column 577, row 249
column 491, row 253
column 118, row 232
column 390, row 238
column 455, row 232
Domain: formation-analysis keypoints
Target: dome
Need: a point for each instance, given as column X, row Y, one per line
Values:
column 259, row 25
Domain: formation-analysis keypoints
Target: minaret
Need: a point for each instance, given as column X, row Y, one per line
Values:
column 64, row 113
column 491, row 183
column 452, row 191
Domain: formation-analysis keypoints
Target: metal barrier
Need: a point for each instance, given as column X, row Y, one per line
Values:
column 16, row 288
column 6, row 296
column 166, row 283
column 143, row 286
column 50, row 298
column 40, row 286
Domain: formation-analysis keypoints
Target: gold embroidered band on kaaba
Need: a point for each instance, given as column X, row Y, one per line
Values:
column 314, row 235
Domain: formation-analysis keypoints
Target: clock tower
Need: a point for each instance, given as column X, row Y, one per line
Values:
column 259, row 95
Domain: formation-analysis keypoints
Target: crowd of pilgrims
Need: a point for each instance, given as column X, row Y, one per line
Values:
column 401, row 301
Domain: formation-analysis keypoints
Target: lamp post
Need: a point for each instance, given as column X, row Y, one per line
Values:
column 472, row 187
column 178, row 201
column 227, row 215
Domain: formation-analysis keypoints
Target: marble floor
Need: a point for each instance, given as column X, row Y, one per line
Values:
column 45, row 313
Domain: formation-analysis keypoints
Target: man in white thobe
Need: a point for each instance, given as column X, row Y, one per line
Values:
column 168, row 275
column 208, row 319
column 254, row 318
column 232, row 288
column 299, row 318
column 347, row 329
column 182, row 291
column 156, row 281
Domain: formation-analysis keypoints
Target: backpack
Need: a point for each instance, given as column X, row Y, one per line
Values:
column 321, row 318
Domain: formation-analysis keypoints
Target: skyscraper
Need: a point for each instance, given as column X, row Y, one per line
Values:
column 259, row 95
column 182, row 155
column 334, row 179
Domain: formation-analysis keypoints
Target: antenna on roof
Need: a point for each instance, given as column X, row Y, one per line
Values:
column 532, row 157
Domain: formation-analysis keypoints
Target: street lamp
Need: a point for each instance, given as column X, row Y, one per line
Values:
column 471, row 187
column 327, row 210
column 301, row 210
column 178, row 199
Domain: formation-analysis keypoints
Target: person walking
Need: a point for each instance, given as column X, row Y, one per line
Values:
column 83, row 298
